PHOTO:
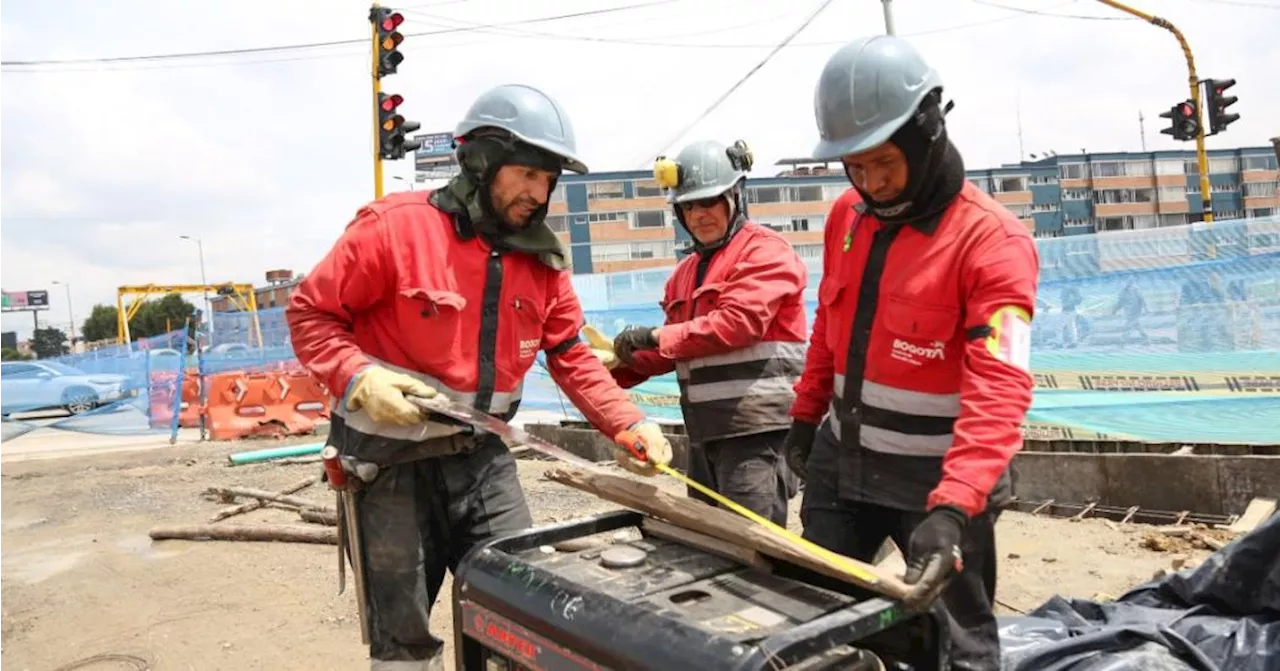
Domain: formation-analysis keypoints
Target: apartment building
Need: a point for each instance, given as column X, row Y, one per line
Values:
column 616, row 221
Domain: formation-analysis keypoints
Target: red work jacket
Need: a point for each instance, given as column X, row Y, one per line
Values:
column 921, row 340
column 734, row 333
column 412, row 288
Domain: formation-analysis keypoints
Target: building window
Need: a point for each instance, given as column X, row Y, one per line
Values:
column 599, row 217
column 983, row 183
column 1044, row 207
column 1262, row 212
column 1075, row 194
column 1113, row 196
column 810, row 251
column 1172, row 194
column 649, row 189
column 1073, row 171
column 1108, row 169
column 1011, row 184
column 1260, row 162
column 649, row 219
column 1260, row 189
column 1222, row 188
column 1044, row 179
column 558, row 223
column 1223, row 166
column 619, row 251
column 1136, row 168
column 1171, row 166
column 764, row 194
column 1173, row 220
column 1019, row 211
column 1076, row 223
column 661, row 249
column 604, row 190
column 1141, row 221
column 832, row 192
column 805, row 194
column 557, row 196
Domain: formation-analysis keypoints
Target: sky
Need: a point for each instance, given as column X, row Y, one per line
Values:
column 264, row 155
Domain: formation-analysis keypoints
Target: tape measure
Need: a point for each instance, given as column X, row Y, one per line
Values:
column 635, row 445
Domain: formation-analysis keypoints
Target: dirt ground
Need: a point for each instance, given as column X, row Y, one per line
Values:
column 82, row 579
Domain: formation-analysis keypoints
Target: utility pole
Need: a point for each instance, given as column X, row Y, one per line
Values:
column 208, row 312
column 390, row 129
column 888, row 16
column 1142, row 130
column 70, row 314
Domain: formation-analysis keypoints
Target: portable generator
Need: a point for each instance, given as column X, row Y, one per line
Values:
column 633, row 599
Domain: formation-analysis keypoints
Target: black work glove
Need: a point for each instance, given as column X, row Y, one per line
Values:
column 933, row 555
column 632, row 340
column 797, row 446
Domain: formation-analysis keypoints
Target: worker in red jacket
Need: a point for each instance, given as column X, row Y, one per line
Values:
column 920, row 351
column 454, row 292
column 734, row 332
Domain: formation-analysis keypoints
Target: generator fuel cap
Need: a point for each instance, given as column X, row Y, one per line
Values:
column 623, row 556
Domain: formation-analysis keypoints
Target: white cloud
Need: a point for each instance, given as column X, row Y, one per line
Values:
column 266, row 156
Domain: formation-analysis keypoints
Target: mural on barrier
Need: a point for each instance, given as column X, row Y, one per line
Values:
column 1169, row 334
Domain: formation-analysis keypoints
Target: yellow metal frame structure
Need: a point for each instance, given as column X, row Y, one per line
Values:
column 242, row 296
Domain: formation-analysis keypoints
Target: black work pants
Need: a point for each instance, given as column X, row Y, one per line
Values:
column 857, row 529
column 418, row 519
column 749, row 470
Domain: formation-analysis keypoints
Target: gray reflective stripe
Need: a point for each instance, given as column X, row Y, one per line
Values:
column 719, row 391
column 892, row 442
column 359, row 420
column 761, row 351
column 910, row 402
column 903, row 400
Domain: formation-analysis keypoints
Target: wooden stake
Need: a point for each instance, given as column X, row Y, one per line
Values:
column 254, row 505
column 295, row 501
column 722, row 524
column 282, row 533
column 327, row 517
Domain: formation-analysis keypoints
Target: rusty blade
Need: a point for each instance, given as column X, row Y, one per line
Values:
column 512, row 435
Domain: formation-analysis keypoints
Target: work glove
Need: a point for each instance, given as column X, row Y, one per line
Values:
column 657, row 450
column 600, row 346
column 933, row 555
column 798, row 445
column 381, row 393
column 634, row 339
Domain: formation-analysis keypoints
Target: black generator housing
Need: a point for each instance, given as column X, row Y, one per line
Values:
column 669, row 606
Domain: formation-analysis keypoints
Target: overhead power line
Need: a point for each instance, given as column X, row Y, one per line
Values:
column 329, row 43
column 738, row 84
column 1042, row 12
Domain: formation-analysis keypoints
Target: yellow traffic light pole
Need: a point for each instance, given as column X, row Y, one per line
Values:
column 1201, row 158
column 377, row 122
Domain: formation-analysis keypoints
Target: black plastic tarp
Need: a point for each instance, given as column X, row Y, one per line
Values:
column 1221, row 616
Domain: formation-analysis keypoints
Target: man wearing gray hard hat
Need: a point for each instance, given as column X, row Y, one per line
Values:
column 734, row 332
column 452, row 292
column 919, row 358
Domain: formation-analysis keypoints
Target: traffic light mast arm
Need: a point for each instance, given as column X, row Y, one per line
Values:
column 1206, row 208
column 377, row 89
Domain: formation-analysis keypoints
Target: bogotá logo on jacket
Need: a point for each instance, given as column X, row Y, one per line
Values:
column 529, row 348
column 917, row 354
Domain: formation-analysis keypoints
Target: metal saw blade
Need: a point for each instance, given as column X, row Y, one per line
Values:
column 512, row 435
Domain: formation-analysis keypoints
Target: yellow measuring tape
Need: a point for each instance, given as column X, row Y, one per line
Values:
column 841, row 562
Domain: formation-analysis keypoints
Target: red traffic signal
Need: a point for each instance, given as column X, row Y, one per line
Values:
column 391, row 21
column 1186, row 110
column 390, row 102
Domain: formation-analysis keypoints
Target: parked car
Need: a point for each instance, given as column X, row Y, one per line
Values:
column 27, row 386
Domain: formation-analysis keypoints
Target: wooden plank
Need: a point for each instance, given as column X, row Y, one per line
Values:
column 709, row 543
column 1257, row 512
column 722, row 524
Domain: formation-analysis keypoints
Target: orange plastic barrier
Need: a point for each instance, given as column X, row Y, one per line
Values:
column 264, row 404
column 161, row 392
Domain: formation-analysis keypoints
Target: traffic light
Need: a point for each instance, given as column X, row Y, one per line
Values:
column 392, row 128
column 1184, row 121
column 385, row 22
column 1217, row 102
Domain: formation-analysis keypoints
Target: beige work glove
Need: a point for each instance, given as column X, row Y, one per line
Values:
column 600, row 346
column 381, row 393
column 657, row 449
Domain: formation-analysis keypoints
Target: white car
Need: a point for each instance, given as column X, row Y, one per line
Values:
column 27, row 386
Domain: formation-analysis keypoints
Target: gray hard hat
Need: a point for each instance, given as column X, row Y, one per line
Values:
column 707, row 169
column 868, row 90
column 528, row 114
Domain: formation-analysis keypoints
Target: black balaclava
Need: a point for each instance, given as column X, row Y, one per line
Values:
column 467, row 195
column 736, row 196
column 935, row 170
